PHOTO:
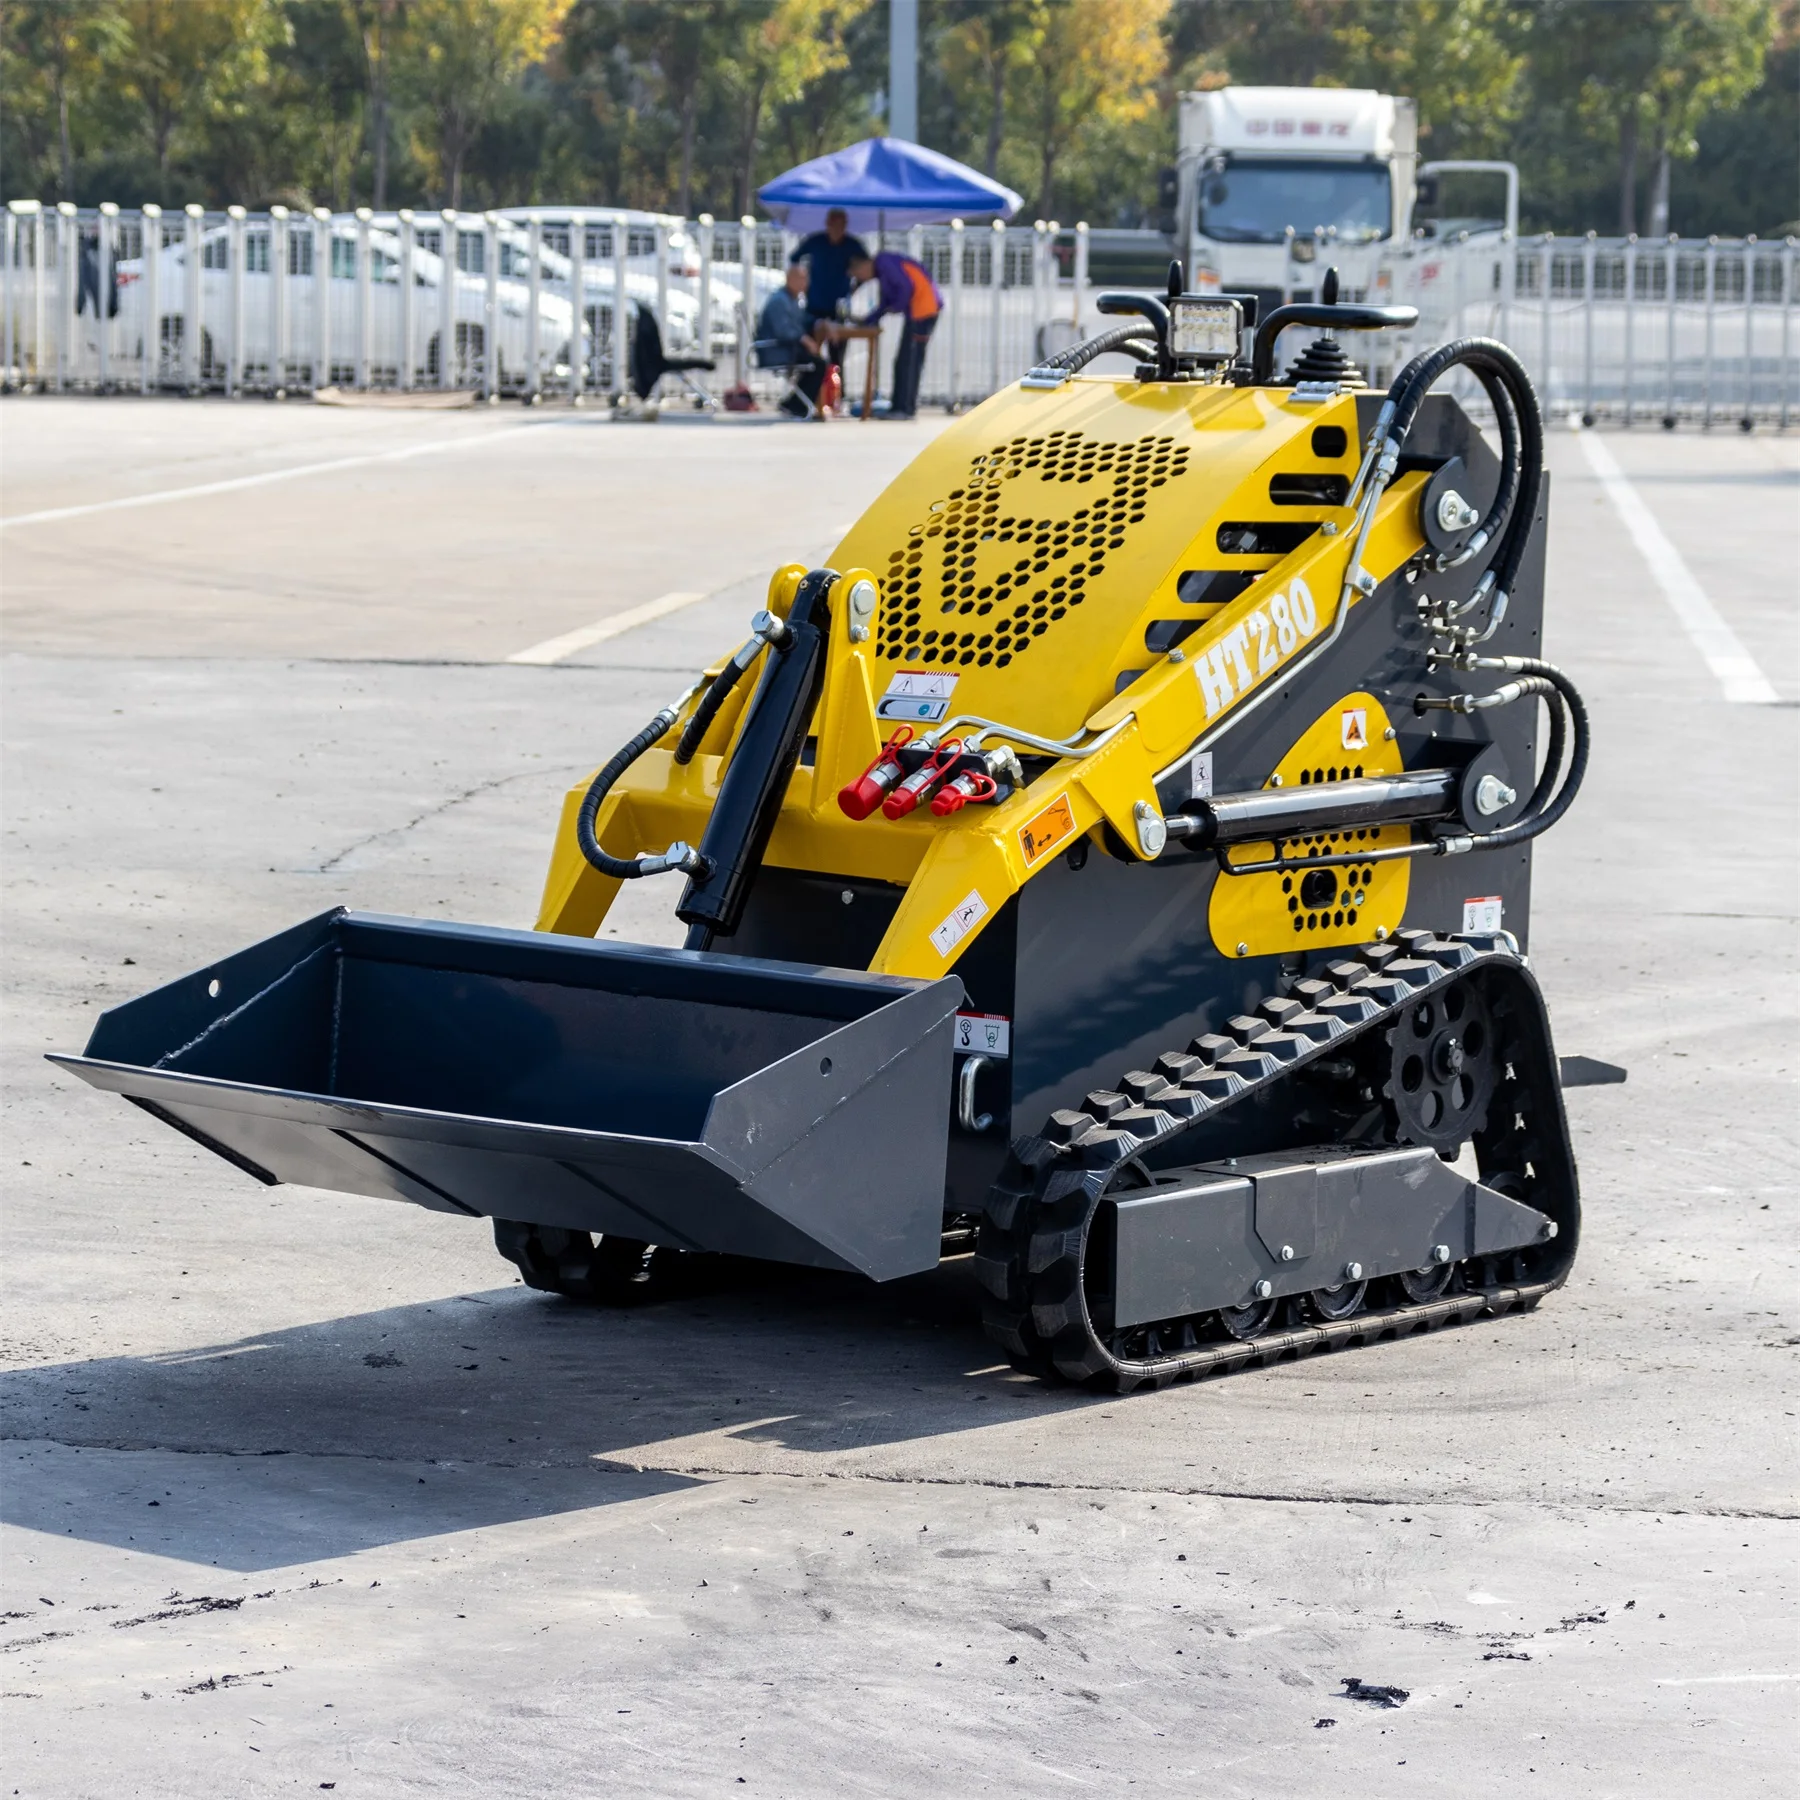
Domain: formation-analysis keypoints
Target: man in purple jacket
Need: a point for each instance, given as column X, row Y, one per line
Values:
column 906, row 289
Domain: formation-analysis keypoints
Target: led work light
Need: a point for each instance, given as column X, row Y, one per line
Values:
column 1204, row 329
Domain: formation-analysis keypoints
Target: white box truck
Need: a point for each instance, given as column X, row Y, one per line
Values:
column 1256, row 163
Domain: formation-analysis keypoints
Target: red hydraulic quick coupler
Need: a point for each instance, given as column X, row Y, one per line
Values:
column 918, row 785
column 953, row 796
column 860, row 797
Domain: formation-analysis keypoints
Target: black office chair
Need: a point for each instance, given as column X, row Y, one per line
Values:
column 649, row 364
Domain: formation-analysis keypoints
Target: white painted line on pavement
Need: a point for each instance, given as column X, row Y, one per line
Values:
column 1715, row 1680
column 553, row 650
column 239, row 482
column 1729, row 661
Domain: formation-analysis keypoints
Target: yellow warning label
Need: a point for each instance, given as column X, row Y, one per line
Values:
column 1355, row 727
column 1054, row 825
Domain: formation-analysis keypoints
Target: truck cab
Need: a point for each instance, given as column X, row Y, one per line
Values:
column 1333, row 166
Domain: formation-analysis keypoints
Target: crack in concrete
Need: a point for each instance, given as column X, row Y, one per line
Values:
column 431, row 812
column 611, row 1466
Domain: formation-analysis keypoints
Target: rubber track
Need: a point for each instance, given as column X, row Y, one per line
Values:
column 1028, row 1256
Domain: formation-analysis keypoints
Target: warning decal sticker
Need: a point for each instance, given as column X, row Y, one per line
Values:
column 964, row 916
column 917, row 695
column 1482, row 915
column 1054, row 825
column 990, row 1034
column 1356, row 728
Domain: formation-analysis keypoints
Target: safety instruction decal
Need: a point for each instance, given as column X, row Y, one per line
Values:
column 963, row 917
column 1482, row 915
column 1200, row 775
column 918, row 696
column 984, row 1034
column 1054, row 825
column 1356, row 727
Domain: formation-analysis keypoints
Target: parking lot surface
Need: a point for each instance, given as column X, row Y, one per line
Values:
column 304, row 1491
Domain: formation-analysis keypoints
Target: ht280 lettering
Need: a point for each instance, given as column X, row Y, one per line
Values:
column 1261, row 641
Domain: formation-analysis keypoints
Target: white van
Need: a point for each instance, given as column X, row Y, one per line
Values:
column 283, row 346
column 644, row 275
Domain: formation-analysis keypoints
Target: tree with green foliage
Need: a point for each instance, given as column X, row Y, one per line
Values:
column 65, row 49
column 779, row 49
column 378, row 24
column 1091, row 63
column 679, row 104
column 982, row 56
column 192, row 63
column 1651, row 68
column 457, row 58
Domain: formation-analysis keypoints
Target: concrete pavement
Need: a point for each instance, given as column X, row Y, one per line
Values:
column 304, row 1489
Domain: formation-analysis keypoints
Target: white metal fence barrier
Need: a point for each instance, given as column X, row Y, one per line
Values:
column 522, row 303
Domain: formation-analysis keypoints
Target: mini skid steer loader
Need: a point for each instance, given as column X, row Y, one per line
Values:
column 1117, row 865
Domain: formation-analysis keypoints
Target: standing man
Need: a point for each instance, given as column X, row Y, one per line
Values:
column 907, row 289
column 827, row 256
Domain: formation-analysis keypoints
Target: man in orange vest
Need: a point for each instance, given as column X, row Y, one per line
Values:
column 907, row 289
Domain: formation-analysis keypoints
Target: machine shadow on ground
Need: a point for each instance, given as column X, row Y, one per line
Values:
column 527, row 1405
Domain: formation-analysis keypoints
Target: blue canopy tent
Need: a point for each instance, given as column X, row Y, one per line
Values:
column 884, row 184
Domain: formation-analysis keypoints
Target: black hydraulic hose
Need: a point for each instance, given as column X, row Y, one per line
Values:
column 627, row 868
column 1543, row 810
column 718, row 691
column 1506, row 492
column 1078, row 356
column 1493, row 364
column 766, row 628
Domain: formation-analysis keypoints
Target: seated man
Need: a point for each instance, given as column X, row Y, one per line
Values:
column 784, row 340
column 907, row 289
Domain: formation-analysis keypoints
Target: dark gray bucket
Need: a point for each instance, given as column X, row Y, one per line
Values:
column 711, row 1102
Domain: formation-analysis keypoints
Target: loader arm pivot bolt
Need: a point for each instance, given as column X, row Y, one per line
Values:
column 862, row 610
column 1492, row 795
column 1455, row 513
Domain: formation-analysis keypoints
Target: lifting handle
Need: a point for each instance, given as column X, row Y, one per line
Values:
column 1332, row 318
column 966, row 1115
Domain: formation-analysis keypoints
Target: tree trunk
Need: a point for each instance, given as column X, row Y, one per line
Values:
column 1659, row 193
column 455, row 147
column 689, row 106
column 752, row 119
column 67, row 176
column 996, row 114
column 378, row 124
column 1628, row 156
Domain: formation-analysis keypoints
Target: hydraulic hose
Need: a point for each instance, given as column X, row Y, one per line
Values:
column 1078, row 356
column 678, row 855
column 766, row 628
column 1551, row 798
column 1521, row 476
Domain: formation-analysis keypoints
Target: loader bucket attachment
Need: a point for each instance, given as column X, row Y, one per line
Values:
column 709, row 1102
